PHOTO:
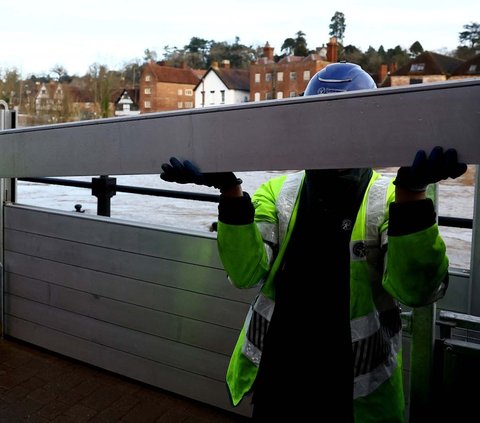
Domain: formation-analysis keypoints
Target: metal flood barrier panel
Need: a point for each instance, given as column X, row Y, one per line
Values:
column 150, row 304
column 383, row 127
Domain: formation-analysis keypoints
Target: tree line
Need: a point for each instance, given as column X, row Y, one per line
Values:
column 100, row 82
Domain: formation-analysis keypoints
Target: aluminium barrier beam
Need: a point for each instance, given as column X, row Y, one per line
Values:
column 383, row 127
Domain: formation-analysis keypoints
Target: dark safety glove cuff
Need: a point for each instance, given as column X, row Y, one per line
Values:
column 406, row 179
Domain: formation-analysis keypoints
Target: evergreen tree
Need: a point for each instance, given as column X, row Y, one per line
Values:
column 416, row 49
column 296, row 46
column 471, row 34
column 337, row 26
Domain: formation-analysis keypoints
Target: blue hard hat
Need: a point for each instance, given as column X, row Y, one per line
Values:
column 338, row 77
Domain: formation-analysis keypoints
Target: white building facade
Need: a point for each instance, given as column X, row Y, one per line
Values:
column 222, row 86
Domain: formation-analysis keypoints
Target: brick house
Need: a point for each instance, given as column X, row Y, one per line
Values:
column 426, row 67
column 468, row 69
column 166, row 88
column 222, row 85
column 289, row 76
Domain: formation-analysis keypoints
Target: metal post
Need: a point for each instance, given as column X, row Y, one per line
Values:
column 474, row 294
column 104, row 188
column 8, row 120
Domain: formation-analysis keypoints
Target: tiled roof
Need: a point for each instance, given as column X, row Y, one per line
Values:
column 313, row 57
column 234, row 79
column 199, row 73
column 470, row 67
column 291, row 59
column 429, row 63
column 173, row 75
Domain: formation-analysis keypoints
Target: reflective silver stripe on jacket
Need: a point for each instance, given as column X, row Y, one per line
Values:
column 376, row 207
column 376, row 338
column 256, row 324
column 286, row 202
column 368, row 249
column 375, row 357
column 269, row 233
column 260, row 313
column 365, row 326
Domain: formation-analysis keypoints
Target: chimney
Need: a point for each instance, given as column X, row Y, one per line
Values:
column 268, row 52
column 332, row 50
column 382, row 73
column 392, row 68
column 214, row 65
column 226, row 64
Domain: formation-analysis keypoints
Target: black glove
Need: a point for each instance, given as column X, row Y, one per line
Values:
column 188, row 173
column 438, row 166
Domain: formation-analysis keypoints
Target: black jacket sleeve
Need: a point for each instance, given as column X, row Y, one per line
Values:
column 236, row 210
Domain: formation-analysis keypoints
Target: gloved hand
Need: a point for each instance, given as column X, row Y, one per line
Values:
column 438, row 166
column 187, row 172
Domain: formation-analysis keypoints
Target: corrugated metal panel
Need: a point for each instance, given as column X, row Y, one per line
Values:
column 117, row 297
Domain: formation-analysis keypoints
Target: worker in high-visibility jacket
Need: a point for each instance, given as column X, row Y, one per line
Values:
column 332, row 252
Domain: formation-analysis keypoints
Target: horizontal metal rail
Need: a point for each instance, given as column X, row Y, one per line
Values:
column 455, row 222
column 213, row 198
column 366, row 128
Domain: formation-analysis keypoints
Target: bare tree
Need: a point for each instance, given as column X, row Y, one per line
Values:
column 60, row 71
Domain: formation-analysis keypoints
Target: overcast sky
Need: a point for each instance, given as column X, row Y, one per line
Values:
column 37, row 35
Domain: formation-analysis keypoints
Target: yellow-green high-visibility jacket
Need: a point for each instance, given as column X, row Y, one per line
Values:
column 413, row 270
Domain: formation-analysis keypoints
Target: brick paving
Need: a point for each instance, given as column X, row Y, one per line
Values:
column 39, row 386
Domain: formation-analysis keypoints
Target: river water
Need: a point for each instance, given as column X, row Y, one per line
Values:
column 455, row 198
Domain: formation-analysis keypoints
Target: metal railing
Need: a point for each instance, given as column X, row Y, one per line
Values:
column 105, row 187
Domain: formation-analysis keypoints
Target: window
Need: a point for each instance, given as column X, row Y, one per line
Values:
column 472, row 69
column 268, row 77
column 147, row 90
column 148, row 78
column 257, row 97
column 306, row 75
column 257, row 77
column 416, row 81
column 293, row 76
column 180, row 105
column 417, row 67
column 212, row 97
column 280, row 94
column 179, row 91
column 280, row 76
column 147, row 105
column 203, row 98
column 188, row 104
column 188, row 91
column 293, row 94
column 222, row 93
column 268, row 95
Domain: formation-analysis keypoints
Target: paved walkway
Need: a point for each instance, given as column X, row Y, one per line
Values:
column 40, row 386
